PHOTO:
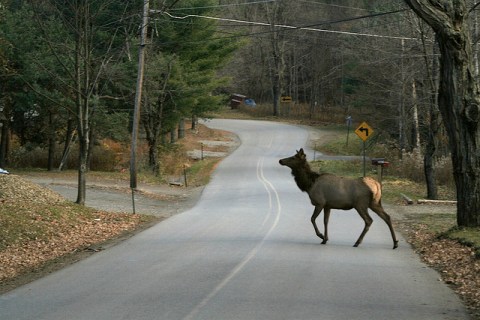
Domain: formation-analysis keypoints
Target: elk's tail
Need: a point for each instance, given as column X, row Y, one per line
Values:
column 376, row 188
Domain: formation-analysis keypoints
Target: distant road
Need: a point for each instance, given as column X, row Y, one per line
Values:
column 116, row 196
column 246, row 250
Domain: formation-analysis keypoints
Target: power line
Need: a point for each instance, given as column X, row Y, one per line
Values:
column 225, row 5
column 331, row 5
column 306, row 28
column 357, row 18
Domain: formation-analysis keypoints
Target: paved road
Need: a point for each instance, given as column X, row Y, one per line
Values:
column 245, row 251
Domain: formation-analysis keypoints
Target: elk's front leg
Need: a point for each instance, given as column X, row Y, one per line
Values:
column 368, row 222
column 315, row 214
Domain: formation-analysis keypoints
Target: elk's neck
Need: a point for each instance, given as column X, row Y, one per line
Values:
column 304, row 177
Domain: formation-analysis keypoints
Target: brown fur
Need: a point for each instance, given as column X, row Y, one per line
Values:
column 376, row 188
column 328, row 191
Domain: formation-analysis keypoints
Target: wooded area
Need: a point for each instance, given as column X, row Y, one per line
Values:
column 68, row 72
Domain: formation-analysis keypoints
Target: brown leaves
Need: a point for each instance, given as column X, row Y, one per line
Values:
column 14, row 189
column 31, row 254
column 38, row 225
column 68, row 238
column 457, row 264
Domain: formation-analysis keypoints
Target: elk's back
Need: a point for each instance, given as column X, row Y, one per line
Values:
column 339, row 193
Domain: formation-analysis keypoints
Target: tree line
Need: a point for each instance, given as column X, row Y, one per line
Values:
column 68, row 70
column 410, row 67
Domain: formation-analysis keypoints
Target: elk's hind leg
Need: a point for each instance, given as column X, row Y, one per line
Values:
column 378, row 209
column 315, row 214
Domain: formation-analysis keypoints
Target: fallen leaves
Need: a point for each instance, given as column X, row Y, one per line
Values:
column 38, row 225
column 14, row 189
column 456, row 263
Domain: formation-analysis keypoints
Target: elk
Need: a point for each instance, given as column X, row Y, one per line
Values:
column 328, row 191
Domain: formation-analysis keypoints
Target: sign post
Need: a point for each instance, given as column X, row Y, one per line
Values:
column 364, row 131
column 349, row 124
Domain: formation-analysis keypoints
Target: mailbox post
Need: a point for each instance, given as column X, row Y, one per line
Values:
column 380, row 162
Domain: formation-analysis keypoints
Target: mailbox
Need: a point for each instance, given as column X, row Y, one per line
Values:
column 236, row 100
column 380, row 162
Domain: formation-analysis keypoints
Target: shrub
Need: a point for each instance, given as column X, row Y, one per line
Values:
column 106, row 156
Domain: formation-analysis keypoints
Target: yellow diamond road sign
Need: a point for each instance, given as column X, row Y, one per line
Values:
column 364, row 131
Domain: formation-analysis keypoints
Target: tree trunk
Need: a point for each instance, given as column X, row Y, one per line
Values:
column 277, row 66
column 153, row 155
column 81, row 189
column 91, row 139
column 70, row 135
column 173, row 135
column 51, row 142
column 402, row 140
column 194, row 122
column 458, row 99
column 431, row 144
column 82, row 79
column 416, row 126
column 4, row 144
column 276, row 95
column 153, row 134
column 82, row 169
column 276, row 74
column 181, row 128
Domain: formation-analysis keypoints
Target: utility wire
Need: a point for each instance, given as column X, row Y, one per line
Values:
column 225, row 5
column 331, row 5
column 306, row 28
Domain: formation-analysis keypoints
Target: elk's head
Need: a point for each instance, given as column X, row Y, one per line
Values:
column 295, row 161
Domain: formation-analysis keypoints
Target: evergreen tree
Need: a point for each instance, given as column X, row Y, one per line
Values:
column 182, row 70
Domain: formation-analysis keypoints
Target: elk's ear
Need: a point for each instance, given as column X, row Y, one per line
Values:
column 301, row 154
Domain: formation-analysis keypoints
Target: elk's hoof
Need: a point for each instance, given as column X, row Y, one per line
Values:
column 324, row 241
column 356, row 245
column 395, row 245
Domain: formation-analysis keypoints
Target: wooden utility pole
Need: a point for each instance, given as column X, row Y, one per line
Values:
column 138, row 100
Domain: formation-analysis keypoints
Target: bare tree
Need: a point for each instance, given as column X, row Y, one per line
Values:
column 458, row 99
column 277, row 42
column 432, row 118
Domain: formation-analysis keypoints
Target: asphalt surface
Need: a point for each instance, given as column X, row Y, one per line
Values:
column 246, row 250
